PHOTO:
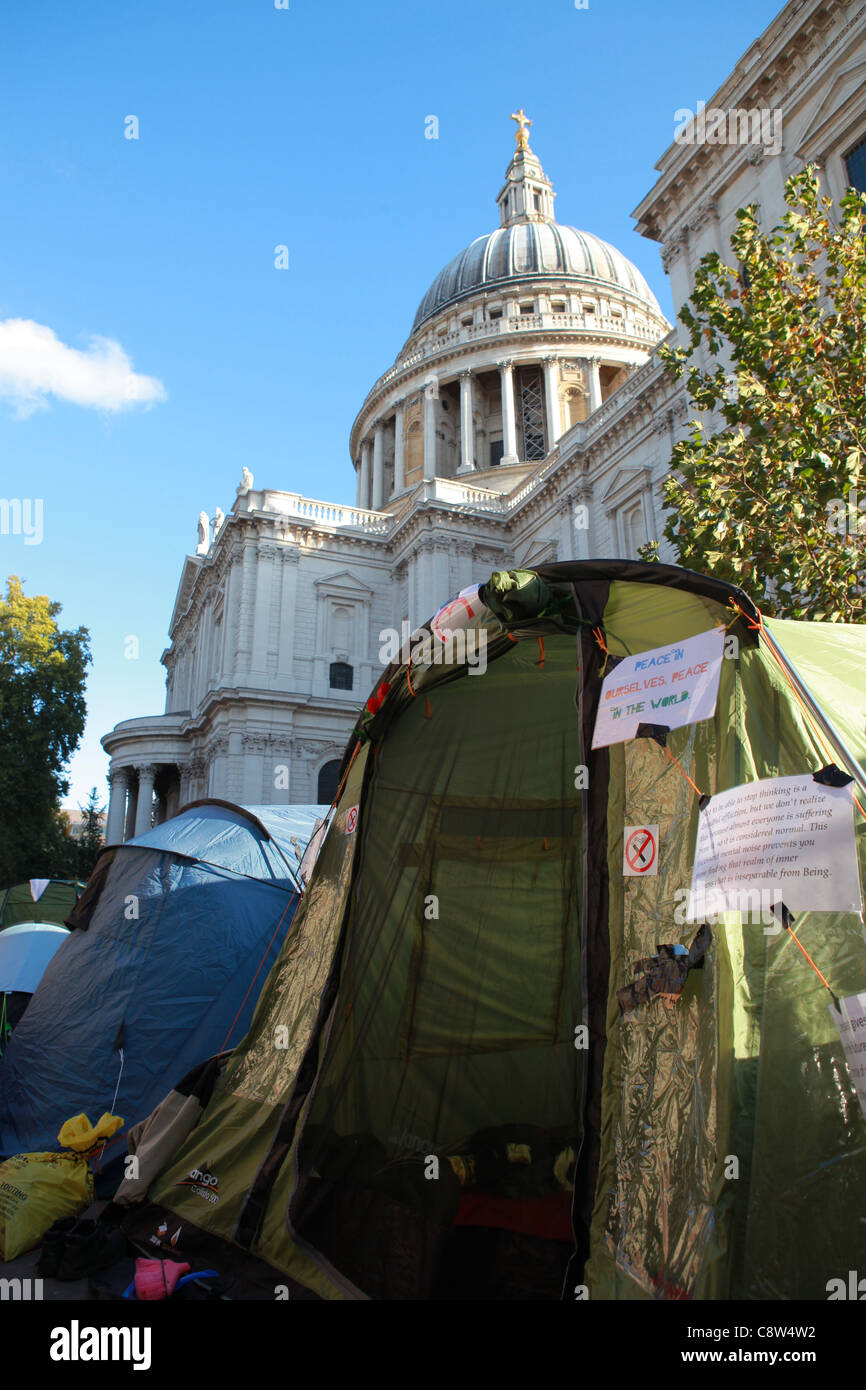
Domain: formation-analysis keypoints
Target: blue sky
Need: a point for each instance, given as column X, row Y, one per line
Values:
column 260, row 127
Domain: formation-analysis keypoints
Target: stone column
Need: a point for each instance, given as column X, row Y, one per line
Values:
column 565, row 545
column 593, row 364
column 464, row 565
column 378, row 467
column 581, row 505
column 424, row 593
column 231, row 621
column 467, row 424
column 412, row 591
column 509, row 423
column 552, row 413
column 183, row 773
column 265, row 597
column 255, row 747
column 117, row 780
column 246, row 617
column 399, row 451
column 430, row 398
column 440, row 592
column 364, row 487
column 144, row 810
column 288, row 622
column 131, row 809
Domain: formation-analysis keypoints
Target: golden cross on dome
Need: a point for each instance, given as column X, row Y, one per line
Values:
column 521, row 135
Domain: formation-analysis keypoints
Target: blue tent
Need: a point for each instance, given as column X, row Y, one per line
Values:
column 170, row 945
column 25, row 951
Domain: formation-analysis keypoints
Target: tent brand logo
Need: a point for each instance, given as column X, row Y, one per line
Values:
column 411, row 1142
column 76, row 1343
column 204, row 1183
column 855, row 1288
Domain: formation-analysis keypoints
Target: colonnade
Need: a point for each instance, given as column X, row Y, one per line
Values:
column 130, row 802
column 371, row 462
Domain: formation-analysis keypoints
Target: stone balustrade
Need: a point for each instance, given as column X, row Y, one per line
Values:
column 592, row 326
column 329, row 514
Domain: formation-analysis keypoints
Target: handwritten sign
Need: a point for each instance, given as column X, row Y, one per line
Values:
column 673, row 685
column 851, row 1023
column 786, row 839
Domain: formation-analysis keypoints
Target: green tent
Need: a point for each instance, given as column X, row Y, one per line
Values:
column 39, row 900
column 491, row 1062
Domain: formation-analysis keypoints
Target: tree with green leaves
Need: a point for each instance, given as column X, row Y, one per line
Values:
column 42, row 710
column 766, row 490
column 91, row 838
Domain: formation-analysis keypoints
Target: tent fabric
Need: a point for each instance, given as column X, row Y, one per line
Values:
column 174, row 937
column 25, row 951
column 831, row 660
column 54, row 903
column 440, row 1095
column 251, row 840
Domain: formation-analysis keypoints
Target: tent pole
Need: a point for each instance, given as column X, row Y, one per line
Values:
column 816, row 712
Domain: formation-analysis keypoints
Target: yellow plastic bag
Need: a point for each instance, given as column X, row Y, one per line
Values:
column 35, row 1191
column 79, row 1134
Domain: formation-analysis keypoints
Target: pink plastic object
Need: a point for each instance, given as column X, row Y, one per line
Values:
column 157, row 1278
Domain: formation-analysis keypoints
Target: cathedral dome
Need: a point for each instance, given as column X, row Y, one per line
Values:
column 527, row 250
column 530, row 245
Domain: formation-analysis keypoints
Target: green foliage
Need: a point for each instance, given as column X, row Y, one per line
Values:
column 768, row 499
column 91, row 838
column 42, row 711
column 649, row 552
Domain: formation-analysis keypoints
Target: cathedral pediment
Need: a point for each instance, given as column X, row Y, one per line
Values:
column 344, row 583
column 624, row 483
column 839, row 97
column 540, row 553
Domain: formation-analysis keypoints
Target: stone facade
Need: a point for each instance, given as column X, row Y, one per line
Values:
column 526, row 419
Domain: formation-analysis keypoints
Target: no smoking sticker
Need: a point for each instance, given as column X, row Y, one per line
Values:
column 640, row 851
column 351, row 819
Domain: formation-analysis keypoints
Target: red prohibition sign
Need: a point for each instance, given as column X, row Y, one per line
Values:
column 351, row 820
column 634, row 852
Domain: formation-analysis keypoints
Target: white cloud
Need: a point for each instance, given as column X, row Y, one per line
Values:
column 34, row 365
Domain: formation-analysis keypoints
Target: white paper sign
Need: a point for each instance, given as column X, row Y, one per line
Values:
column 673, row 685
column 786, row 839
column 852, row 1030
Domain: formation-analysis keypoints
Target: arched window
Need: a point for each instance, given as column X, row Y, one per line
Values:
column 342, row 675
column 328, row 782
column 633, row 529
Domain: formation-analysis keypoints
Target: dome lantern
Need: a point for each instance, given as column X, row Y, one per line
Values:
column 527, row 194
